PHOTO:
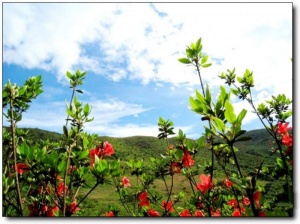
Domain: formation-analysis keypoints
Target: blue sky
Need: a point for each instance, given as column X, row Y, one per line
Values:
column 130, row 53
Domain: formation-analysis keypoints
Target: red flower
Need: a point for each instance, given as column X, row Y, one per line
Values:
column 21, row 168
column 110, row 214
column 143, row 198
column 52, row 212
column 246, row 201
column 261, row 214
column 282, row 128
column 73, row 207
column 60, row 189
column 256, row 198
column 236, row 212
column 185, row 213
column 168, row 206
column 187, row 159
column 108, row 149
column 175, row 168
column 216, row 213
column 287, row 140
column 228, row 183
column 198, row 213
column 152, row 212
column 233, row 203
column 206, row 183
column 125, row 182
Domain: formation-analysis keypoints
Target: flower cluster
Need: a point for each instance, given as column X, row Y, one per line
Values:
column 101, row 151
column 283, row 132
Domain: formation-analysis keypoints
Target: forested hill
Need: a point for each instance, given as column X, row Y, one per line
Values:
column 145, row 146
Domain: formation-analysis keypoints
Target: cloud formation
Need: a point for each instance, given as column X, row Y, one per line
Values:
column 141, row 43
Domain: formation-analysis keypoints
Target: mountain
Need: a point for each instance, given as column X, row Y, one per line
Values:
column 137, row 147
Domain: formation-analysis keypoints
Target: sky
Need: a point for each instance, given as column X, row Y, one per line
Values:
column 130, row 52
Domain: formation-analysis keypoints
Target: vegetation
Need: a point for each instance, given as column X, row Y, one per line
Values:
column 226, row 172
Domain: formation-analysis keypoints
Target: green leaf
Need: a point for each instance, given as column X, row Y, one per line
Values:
column 70, row 75
column 204, row 59
column 206, row 65
column 79, row 91
column 241, row 116
column 229, row 112
column 200, row 97
column 101, row 166
column 65, row 131
column 219, row 124
column 86, row 110
column 184, row 60
column 83, row 154
column 208, row 95
column 244, row 138
column 201, row 142
column 197, row 45
column 62, row 165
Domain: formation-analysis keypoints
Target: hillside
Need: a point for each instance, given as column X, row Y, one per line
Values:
column 138, row 147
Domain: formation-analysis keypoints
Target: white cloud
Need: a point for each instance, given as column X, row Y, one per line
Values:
column 131, row 41
column 53, row 36
column 108, row 115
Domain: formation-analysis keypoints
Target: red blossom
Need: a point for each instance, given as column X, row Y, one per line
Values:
column 246, row 201
column 233, row 203
column 21, row 168
column 44, row 208
column 205, row 183
column 74, row 208
column 216, row 213
column 187, row 159
column 175, row 167
column 125, row 182
column 109, row 214
column 60, row 189
column 256, row 198
column 152, row 212
column 287, row 140
column 185, row 213
column 236, row 213
column 282, row 128
column 261, row 214
column 143, row 198
column 108, row 149
column 168, row 206
column 228, row 183
column 52, row 212
column 198, row 213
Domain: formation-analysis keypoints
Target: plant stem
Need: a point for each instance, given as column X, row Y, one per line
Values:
column 211, row 138
column 90, row 191
column 13, row 134
column 198, row 70
column 73, row 92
